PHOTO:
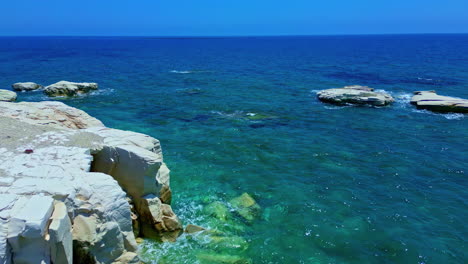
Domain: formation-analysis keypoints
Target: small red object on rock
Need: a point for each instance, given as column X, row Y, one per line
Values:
column 28, row 151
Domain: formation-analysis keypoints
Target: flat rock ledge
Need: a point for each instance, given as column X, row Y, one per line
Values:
column 7, row 96
column 355, row 94
column 26, row 86
column 430, row 100
column 75, row 191
column 65, row 88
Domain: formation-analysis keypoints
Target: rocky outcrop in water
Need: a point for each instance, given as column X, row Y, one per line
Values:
column 430, row 100
column 64, row 88
column 73, row 190
column 7, row 96
column 26, row 86
column 356, row 94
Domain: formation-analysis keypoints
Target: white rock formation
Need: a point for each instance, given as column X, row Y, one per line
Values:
column 51, row 114
column 7, row 96
column 70, row 187
column 26, row 86
column 431, row 101
column 65, row 88
column 355, row 94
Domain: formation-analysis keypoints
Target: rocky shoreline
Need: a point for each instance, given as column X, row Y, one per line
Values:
column 75, row 191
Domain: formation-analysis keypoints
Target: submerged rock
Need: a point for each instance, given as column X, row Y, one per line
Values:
column 68, row 199
column 7, row 96
column 218, row 210
column 190, row 229
column 355, row 94
column 246, row 206
column 258, row 116
column 64, row 88
column 429, row 100
column 211, row 257
column 229, row 242
column 26, row 86
column 191, row 91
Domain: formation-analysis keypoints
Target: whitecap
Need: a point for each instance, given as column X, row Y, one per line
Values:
column 425, row 79
column 181, row 72
column 100, row 92
column 454, row 116
column 449, row 116
column 336, row 107
column 402, row 99
column 235, row 114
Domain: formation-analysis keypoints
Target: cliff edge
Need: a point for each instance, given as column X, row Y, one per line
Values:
column 75, row 191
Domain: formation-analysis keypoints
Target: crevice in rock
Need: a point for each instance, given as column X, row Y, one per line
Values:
column 81, row 253
column 145, row 179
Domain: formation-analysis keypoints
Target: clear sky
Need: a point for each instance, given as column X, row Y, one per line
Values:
column 230, row 17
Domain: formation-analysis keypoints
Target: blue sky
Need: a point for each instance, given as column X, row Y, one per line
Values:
column 231, row 17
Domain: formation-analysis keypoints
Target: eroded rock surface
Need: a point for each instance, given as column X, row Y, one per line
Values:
column 26, row 86
column 355, row 94
column 72, row 196
column 65, row 88
column 430, row 100
column 50, row 114
column 7, row 96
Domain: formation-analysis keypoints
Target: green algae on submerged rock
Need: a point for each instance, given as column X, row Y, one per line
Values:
column 246, row 206
column 218, row 210
column 190, row 229
column 258, row 116
column 211, row 257
column 245, row 200
column 229, row 242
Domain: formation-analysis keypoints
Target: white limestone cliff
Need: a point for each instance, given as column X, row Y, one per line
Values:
column 75, row 191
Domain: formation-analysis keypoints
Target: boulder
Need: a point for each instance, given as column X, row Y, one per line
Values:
column 69, row 198
column 26, row 86
column 60, row 235
column 27, row 228
column 157, row 218
column 7, row 96
column 355, row 94
column 430, row 100
column 64, row 88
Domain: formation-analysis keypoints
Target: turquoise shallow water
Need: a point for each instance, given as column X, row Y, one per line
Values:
column 334, row 184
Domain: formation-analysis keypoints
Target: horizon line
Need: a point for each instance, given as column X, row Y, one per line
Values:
column 237, row 36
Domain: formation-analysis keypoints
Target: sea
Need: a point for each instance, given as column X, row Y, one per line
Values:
column 235, row 115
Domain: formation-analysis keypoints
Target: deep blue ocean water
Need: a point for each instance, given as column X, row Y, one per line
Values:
column 335, row 184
